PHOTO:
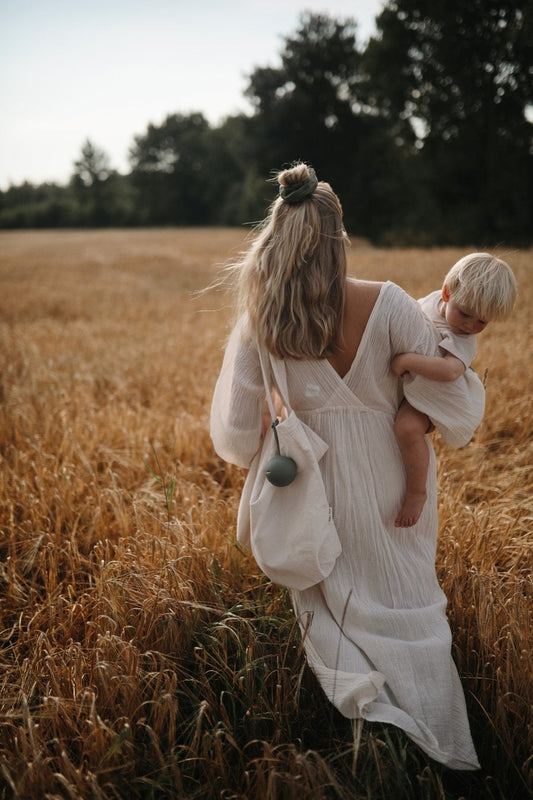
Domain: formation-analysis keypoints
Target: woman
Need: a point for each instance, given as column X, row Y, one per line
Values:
column 376, row 633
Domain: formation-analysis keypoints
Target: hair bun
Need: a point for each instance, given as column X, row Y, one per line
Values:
column 293, row 193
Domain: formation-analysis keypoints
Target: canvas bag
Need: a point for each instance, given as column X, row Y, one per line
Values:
column 290, row 529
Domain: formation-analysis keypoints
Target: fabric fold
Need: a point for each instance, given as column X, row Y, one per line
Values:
column 441, row 405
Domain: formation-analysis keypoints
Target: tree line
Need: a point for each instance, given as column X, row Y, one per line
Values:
column 425, row 133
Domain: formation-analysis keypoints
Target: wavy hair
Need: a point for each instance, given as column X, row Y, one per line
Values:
column 291, row 282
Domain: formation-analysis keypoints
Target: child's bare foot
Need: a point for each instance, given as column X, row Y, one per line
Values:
column 409, row 513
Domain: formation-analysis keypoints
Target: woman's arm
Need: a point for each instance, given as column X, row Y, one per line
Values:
column 236, row 423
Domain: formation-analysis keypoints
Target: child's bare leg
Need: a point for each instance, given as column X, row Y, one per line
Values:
column 410, row 428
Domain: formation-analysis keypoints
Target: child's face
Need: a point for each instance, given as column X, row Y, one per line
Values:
column 460, row 318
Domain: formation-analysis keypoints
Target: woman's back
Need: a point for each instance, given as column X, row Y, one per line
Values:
column 360, row 299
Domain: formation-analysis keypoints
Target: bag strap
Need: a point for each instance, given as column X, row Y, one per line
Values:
column 280, row 378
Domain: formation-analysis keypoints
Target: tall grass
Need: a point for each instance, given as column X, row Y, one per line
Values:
column 142, row 653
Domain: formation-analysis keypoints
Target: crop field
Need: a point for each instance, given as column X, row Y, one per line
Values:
column 142, row 653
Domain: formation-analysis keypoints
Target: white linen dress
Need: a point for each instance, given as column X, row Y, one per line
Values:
column 375, row 631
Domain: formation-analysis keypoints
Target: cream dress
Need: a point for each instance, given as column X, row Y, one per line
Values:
column 375, row 631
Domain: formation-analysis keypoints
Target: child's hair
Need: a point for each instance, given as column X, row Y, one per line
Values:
column 483, row 283
column 291, row 282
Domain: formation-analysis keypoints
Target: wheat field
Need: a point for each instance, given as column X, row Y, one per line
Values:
column 142, row 653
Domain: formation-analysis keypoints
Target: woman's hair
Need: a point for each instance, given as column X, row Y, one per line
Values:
column 291, row 282
column 483, row 283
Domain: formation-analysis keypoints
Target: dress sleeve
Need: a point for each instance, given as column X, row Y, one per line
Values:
column 456, row 408
column 235, row 423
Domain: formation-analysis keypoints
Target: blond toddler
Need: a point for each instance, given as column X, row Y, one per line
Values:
column 479, row 288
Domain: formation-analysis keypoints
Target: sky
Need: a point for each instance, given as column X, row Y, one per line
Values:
column 72, row 70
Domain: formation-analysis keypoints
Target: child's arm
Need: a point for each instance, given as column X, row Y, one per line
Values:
column 436, row 368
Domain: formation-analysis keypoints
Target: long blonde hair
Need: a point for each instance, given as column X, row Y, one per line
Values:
column 291, row 282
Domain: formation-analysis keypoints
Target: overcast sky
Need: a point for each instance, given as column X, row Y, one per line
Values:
column 104, row 69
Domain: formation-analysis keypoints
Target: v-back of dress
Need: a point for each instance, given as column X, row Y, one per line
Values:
column 359, row 303
column 315, row 384
column 375, row 631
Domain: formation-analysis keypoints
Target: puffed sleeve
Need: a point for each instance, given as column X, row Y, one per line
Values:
column 237, row 403
column 456, row 408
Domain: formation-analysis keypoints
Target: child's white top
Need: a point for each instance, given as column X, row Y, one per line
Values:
column 460, row 345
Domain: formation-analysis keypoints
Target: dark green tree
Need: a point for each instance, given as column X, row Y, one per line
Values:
column 454, row 78
column 228, row 164
column 188, row 173
column 310, row 108
column 47, row 205
column 302, row 104
column 94, row 184
column 93, row 167
column 170, row 170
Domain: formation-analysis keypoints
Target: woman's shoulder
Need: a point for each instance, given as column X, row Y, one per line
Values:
column 361, row 291
column 359, row 284
column 386, row 291
column 361, row 296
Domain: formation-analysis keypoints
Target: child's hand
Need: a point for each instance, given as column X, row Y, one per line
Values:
column 399, row 365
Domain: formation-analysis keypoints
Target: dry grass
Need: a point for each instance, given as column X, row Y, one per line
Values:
column 142, row 654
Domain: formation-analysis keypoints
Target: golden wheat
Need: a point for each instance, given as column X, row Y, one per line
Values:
column 143, row 654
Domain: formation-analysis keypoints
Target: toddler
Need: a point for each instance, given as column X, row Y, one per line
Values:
column 479, row 288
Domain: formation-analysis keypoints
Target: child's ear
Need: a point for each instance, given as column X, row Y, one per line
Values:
column 445, row 293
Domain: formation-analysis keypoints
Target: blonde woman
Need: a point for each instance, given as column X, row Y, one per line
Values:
column 376, row 633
